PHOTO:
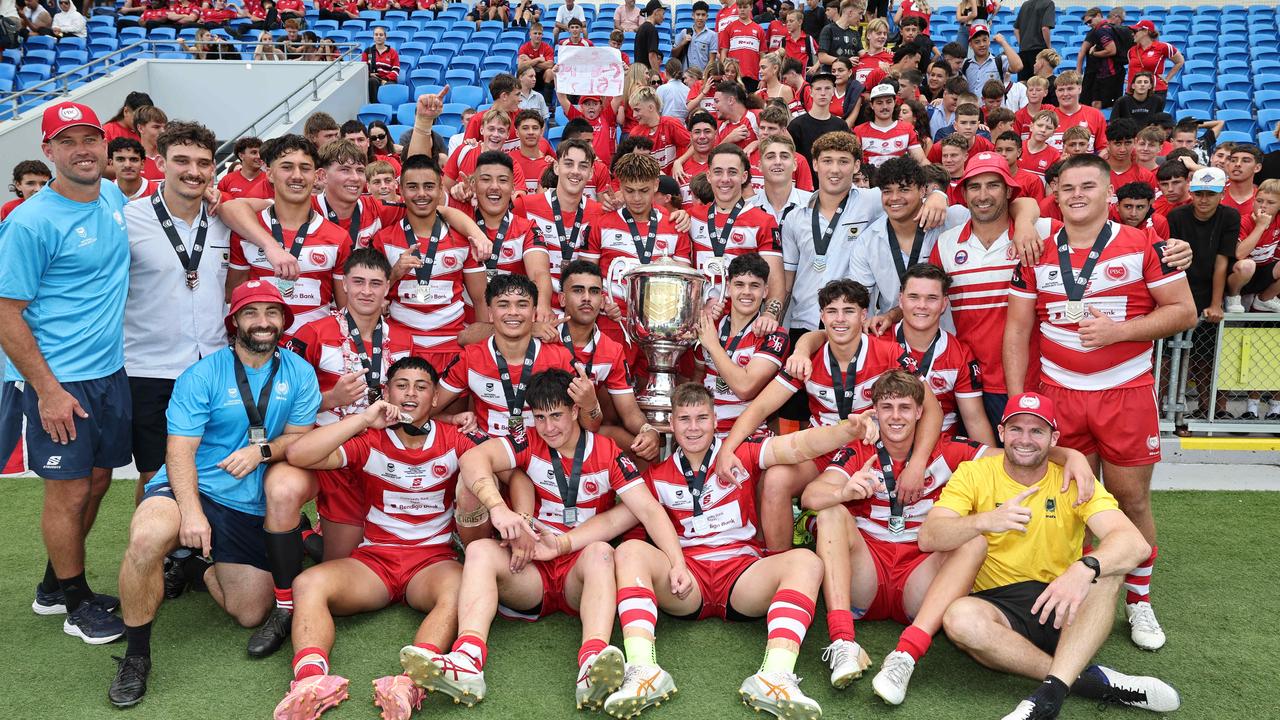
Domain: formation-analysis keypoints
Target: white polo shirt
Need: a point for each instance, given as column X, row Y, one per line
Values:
column 167, row 326
column 798, row 254
column 795, row 200
column 872, row 261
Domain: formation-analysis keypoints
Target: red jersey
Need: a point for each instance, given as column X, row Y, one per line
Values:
column 605, row 127
column 146, row 189
column 726, row 526
column 1029, row 185
column 542, row 52
column 1038, row 162
column 476, row 371
column 409, row 491
column 874, row 515
column 880, row 143
column 726, row 16
column 560, row 240
column 509, row 250
column 979, row 145
column 802, row 177
column 327, row 346
column 531, row 168
column 750, row 120
column 744, row 42
column 432, row 308
column 606, row 473
column 1162, row 206
column 599, row 182
column 670, row 140
column 802, row 48
column 151, row 169
column 463, row 162
column 874, row 357
column 1244, row 206
column 476, row 123
column 693, row 168
column 1150, row 59
column 320, row 259
column 1023, row 118
column 115, row 128
column 708, row 103
column 1087, row 117
column 1119, row 287
column 754, row 230
column 9, row 207
column 1265, row 251
column 214, row 15
column 952, row 371
column 385, row 64
column 610, row 240
column 775, row 34
column 368, row 211
column 235, row 185
column 838, row 106
column 1135, row 173
column 604, row 359
column 742, row 349
column 870, row 62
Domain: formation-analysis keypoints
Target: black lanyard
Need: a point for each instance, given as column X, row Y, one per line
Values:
column 492, row 263
column 300, row 237
column 843, row 393
column 696, row 480
column 514, row 393
column 1071, row 287
column 896, row 523
column 568, row 244
column 895, row 250
column 257, row 413
column 429, row 257
column 730, row 346
column 190, row 263
column 370, row 359
column 354, row 230
column 644, row 251
column 720, row 240
column 908, row 362
column 569, row 486
column 822, row 240
column 589, row 350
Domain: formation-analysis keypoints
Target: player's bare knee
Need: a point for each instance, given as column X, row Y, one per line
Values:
column 963, row 623
column 287, row 489
column 486, row 552
column 597, row 556
column 804, row 565
column 630, row 555
column 246, row 613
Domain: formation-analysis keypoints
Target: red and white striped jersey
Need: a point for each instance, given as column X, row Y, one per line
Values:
column 606, row 359
column 754, row 230
column 771, row 348
column 879, row 144
column 874, row 358
column 531, row 168
column 872, row 515
column 463, row 162
column 692, row 168
column 749, row 120
column 1265, row 251
column 521, row 237
column 1087, row 117
column 802, row 177
column 327, row 347
column 320, row 263
column 729, row 510
column 744, row 42
column 670, row 140
column 1120, row 288
column 476, row 371
column 371, row 211
column 537, row 208
column 410, row 491
column 954, row 373
column 436, row 321
column 606, row 472
column 610, row 239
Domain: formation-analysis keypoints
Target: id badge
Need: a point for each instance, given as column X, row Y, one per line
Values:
column 570, row 516
column 422, row 292
column 701, row 526
column 1075, row 311
column 257, row 435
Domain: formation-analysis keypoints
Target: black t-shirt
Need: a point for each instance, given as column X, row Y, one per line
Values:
column 1270, row 167
column 1208, row 239
column 805, row 129
column 1139, row 110
column 840, row 42
column 646, row 42
column 814, row 21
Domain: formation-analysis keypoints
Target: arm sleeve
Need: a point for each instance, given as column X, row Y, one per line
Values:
column 306, row 402
column 189, row 406
column 958, row 493
column 25, row 257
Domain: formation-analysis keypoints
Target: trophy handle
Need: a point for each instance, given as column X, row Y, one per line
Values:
column 618, row 270
column 717, row 272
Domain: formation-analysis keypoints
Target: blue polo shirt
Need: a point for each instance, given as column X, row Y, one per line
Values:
column 206, row 404
column 70, row 262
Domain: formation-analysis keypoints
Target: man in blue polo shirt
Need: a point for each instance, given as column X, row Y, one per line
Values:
column 65, row 256
column 231, row 414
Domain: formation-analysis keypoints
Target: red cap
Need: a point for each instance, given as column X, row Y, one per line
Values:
column 987, row 162
column 65, row 115
column 976, row 28
column 1145, row 25
column 254, row 291
column 1031, row 404
column 585, row 98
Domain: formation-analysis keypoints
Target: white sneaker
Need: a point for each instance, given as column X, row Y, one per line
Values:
column 847, row 660
column 642, row 686
column 1144, row 629
column 1233, row 304
column 598, row 678
column 895, row 672
column 1146, row 693
column 1028, row 710
column 779, row 695
column 1272, row 305
column 455, row 674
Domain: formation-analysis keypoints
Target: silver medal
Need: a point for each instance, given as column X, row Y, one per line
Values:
column 701, row 526
column 820, row 263
column 1075, row 311
column 722, row 387
column 422, row 292
column 284, row 286
column 897, row 524
column 570, row 516
column 257, row 435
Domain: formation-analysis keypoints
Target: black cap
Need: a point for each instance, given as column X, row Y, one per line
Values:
column 654, row 5
column 822, row 76
column 667, row 185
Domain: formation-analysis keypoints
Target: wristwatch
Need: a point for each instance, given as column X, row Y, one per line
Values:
column 1092, row 563
column 265, row 449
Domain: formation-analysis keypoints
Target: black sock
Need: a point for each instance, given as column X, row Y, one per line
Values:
column 284, row 556
column 75, row 591
column 1091, row 684
column 1051, row 693
column 50, row 582
column 194, row 567
column 138, row 641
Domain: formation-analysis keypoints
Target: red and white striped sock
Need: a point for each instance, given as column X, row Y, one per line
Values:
column 473, row 647
column 638, row 609
column 310, row 661
column 1137, row 584
column 590, row 649
column 789, row 616
column 284, row 598
column 428, row 647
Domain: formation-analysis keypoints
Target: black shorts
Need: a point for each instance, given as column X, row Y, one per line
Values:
column 150, row 426
column 1015, row 602
column 993, row 404
column 797, row 407
column 236, row 537
column 1107, row 89
column 102, row 439
column 1263, row 277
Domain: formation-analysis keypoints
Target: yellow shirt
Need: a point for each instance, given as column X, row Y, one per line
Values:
column 1054, row 535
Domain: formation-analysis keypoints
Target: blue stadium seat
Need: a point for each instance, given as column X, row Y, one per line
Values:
column 162, row 33
column 8, row 71
column 446, row 131
column 406, row 112
column 40, row 42
column 41, row 57
column 1233, row 100
column 1268, row 100
column 72, row 59
column 1237, row 121
column 1232, row 81
column 374, row 111
column 1267, row 119
column 449, row 119
column 70, row 41
column 1198, row 102
column 1199, row 83
column 393, row 94
column 467, row 95
column 1235, row 137
column 1268, row 141
column 461, row 76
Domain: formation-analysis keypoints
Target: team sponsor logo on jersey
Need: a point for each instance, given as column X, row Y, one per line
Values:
column 737, row 238
column 1153, row 442
column 938, row 382
column 591, row 487
column 318, row 257
column 1116, row 272
column 961, row 257
column 507, row 251
column 866, row 393
column 440, row 470
column 448, row 261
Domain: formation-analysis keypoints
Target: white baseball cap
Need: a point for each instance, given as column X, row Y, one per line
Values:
column 1209, row 179
column 883, row 90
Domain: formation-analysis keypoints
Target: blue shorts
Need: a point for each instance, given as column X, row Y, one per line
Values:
column 237, row 537
column 103, row 440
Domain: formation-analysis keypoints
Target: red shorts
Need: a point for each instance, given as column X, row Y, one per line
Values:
column 1122, row 426
column 340, row 500
column 396, row 565
column 715, row 580
column 554, row 574
column 894, row 563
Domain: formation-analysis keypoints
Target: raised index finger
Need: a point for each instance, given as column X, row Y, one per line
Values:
column 1022, row 496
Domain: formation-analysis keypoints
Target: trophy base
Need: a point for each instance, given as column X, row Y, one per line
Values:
column 655, row 398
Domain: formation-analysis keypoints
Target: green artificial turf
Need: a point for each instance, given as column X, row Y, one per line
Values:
column 1214, row 590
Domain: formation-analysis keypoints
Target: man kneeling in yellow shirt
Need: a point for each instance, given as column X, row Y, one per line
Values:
column 1039, row 609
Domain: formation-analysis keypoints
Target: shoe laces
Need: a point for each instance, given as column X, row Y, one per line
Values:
column 838, row 653
column 130, row 669
column 1144, row 618
column 91, row 612
column 898, row 668
column 1118, row 693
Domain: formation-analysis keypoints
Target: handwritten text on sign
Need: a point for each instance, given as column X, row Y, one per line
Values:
column 590, row 71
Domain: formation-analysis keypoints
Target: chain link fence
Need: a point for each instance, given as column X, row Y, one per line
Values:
column 1222, row 377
